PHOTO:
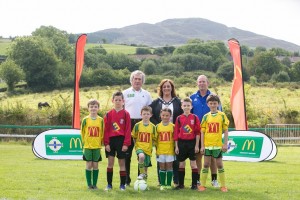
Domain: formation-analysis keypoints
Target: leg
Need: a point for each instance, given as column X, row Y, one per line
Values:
column 175, row 171
column 122, row 173
column 157, row 169
column 162, row 173
column 195, row 174
column 221, row 171
column 199, row 166
column 213, row 169
column 181, row 174
column 204, row 171
column 141, row 165
column 88, row 174
column 110, row 171
column 128, row 161
column 169, row 169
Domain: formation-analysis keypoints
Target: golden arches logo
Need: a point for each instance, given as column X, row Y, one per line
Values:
column 144, row 137
column 75, row 141
column 93, row 131
column 213, row 127
column 249, row 143
column 164, row 136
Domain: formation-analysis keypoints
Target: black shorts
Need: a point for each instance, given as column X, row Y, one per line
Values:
column 116, row 144
column 186, row 150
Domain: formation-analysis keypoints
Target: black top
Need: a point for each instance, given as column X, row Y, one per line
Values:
column 156, row 106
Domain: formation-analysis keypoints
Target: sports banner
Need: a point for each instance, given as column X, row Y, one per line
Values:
column 58, row 144
column 237, row 98
column 249, row 146
column 79, row 59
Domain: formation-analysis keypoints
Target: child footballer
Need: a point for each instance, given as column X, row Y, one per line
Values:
column 117, row 138
column 186, row 136
column 213, row 125
column 165, row 148
column 144, row 134
column 92, row 128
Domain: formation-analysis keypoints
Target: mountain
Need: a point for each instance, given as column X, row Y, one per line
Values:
column 179, row 31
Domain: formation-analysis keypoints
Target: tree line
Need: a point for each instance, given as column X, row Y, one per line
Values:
column 45, row 61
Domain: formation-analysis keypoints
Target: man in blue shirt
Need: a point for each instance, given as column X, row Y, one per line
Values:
column 200, row 108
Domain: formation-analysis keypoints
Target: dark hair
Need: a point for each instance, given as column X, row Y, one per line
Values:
column 160, row 92
column 118, row 94
column 166, row 110
column 213, row 97
column 93, row 102
column 186, row 99
column 147, row 109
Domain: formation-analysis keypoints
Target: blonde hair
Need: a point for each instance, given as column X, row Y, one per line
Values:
column 93, row 102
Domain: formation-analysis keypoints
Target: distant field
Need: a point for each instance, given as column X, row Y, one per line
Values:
column 4, row 44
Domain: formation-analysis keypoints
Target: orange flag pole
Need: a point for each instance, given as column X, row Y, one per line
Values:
column 79, row 60
column 237, row 98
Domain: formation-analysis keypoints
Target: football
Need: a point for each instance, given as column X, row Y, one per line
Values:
column 140, row 185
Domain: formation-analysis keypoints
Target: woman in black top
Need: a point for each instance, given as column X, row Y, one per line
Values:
column 167, row 99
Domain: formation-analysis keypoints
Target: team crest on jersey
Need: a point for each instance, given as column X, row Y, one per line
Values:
column 130, row 95
column 192, row 121
column 121, row 121
column 116, row 127
column 187, row 129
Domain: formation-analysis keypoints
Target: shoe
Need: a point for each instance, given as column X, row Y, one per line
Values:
column 198, row 183
column 175, row 185
column 108, row 187
column 201, row 188
column 224, row 189
column 142, row 177
column 90, row 187
column 179, row 187
column 194, row 187
column 215, row 183
column 168, row 187
column 95, row 187
column 127, row 185
column 122, row 187
column 162, row 188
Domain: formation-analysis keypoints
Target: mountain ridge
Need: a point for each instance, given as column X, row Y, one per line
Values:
column 178, row 31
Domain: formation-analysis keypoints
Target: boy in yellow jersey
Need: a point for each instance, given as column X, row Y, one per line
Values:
column 143, row 134
column 213, row 125
column 165, row 148
column 92, row 129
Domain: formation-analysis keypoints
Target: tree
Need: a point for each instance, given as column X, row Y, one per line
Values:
column 36, row 56
column 295, row 71
column 149, row 67
column 142, row 51
column 264, row 65
column 226, row 71
column 11, row 73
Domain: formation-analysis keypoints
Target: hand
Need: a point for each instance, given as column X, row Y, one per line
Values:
column 124, row 148
column 202, row 150
column 107, row 148
column 224, row 147
column 176, row 150
column 196, row 149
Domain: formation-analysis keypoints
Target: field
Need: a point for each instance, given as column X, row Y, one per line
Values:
column 23, row 176
column 4, row 44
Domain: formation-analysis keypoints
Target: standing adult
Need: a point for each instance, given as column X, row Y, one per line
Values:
column 200, row 108
column 167, row 99
column 135, row 98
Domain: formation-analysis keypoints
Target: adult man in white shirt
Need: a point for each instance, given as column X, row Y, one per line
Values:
column 135, row 98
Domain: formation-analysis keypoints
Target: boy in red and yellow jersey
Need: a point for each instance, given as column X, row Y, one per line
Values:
column 186, row 136
column 92, row 129
column 117, row 138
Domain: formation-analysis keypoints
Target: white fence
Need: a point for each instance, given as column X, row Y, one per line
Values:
column 284, row 133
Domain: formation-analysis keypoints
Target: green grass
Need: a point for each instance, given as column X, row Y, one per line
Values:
column 23, row 176
column 114, row 48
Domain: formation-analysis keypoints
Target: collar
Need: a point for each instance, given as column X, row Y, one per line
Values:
column 207, row 93
column 166, row 103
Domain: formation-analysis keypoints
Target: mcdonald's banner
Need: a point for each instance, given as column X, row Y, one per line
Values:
column 249, row 146
column 58, row 144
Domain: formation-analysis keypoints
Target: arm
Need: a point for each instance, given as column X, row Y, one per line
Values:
column 202, row 143
column 224, row 147
column 127, row 133
column 106, row 131
column 176, row 147
column 197, row 144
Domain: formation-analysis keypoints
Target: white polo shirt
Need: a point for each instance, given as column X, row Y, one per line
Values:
column 135, row 100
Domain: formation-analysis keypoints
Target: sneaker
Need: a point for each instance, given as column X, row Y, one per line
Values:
column 142, row 177
column 90, row 187
column 224, row 189
column 95, row 187
column 194, row 187
column 215, row 183
column 122, row 187
column 162, row 188
column 201, row 188
column 179, row 187
column 108, row 187
column 198, row 183
column 168, row 187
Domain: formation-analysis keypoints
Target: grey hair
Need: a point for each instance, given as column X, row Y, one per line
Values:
column 204, row 77
column 137, row 72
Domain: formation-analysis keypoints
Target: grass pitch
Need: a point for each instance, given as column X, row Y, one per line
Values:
column 23, row 176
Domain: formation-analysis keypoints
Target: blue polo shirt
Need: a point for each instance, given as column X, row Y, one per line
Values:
column 199, row 104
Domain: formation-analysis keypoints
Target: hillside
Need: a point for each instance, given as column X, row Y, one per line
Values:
column 178, row 31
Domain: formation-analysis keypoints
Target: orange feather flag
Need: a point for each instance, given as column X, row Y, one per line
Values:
column 79, row 60
column 237, row 99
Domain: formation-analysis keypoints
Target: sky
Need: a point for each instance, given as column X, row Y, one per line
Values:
column 279, row 19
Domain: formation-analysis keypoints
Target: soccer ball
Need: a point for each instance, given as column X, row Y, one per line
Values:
column 140, row 185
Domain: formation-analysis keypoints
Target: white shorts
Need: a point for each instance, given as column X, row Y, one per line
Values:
column 165, row 158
